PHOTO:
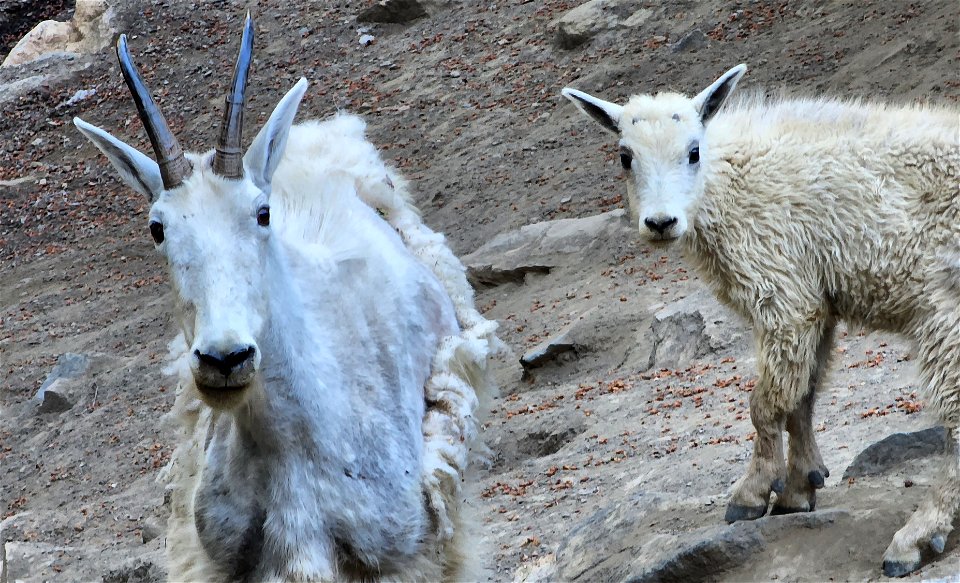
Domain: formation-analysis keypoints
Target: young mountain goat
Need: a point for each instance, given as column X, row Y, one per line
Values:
column 332, row 358
column 800, row 214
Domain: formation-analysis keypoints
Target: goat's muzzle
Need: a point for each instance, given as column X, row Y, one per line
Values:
column 661, row 228
column 232, row 370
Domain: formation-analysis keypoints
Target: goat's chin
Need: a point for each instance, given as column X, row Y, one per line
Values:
column 660, row 240
column 224, row 397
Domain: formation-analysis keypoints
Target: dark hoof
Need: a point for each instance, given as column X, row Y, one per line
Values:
column 938, row 543
column 816, row 478
column 777, row 486
column 898, row 569
column 735, row 512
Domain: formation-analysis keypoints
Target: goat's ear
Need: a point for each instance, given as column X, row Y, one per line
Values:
column 137, row 170
column 606, row 113
column 264, row 154
column 709, row 101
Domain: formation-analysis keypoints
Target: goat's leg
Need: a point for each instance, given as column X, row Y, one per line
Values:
column 938, row 356
column 786, row 357
column 805, row 469
column 932, row 521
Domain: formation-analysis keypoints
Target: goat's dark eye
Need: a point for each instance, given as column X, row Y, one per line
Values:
column 694, row 156
column 263, row 216
column 625, row 159
column 156, row 231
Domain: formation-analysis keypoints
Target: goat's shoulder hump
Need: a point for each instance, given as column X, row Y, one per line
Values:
column 342, row 125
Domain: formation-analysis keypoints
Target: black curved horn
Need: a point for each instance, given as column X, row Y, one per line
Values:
column 174, row 166
column 228, row 159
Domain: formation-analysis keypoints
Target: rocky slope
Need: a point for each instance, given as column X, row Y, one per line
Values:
column 617, row 444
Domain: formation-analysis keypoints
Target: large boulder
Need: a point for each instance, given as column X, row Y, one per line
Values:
column 539, row 247
column 89, row 31
column 584, row 22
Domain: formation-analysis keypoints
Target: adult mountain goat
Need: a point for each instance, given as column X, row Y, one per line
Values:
column 800, row 214
column 332, row 357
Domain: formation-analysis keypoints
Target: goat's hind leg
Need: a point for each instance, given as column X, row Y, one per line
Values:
column 939, row 364
column 806, row 471
column 932, row 521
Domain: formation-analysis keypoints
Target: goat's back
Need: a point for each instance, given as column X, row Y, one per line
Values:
column 851, row 201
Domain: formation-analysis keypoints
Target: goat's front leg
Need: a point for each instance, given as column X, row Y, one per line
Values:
column 312, row 561
column 786, row 358
column 806, row 472
column 298, row 546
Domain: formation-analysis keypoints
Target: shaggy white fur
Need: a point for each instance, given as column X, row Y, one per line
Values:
column 344, row 457
column 801, row 213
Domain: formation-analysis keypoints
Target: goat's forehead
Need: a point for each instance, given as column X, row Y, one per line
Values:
column 205, row 192
column 662, row 120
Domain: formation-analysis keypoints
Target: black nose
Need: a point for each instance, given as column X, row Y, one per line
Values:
column 660, row 225
column 226, row 363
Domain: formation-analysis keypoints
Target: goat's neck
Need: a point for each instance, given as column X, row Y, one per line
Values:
column 299, row 399
column 705, row 243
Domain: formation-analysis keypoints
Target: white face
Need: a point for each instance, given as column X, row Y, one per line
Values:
column 661, row 147
column 214, row 234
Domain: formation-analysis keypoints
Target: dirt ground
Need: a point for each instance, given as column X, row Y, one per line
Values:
column 635, row 435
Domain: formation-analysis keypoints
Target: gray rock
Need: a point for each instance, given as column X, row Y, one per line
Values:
column 627, row 542
column 692, row 41
column 549, row 349
column 31, row 561
column 893, row 450
column 68, row 366
column 138, row 570
column 705, row 557
column 487, row 275
column 678, row 339
column 586, row 21
column 715, row 550
column 49, row 70
column 149, row 531
column 400, row 11
column 53, row 394
column 53, row 399
column 685, row 331
column 567, row 341
column 542, row 443
column 536, row 248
